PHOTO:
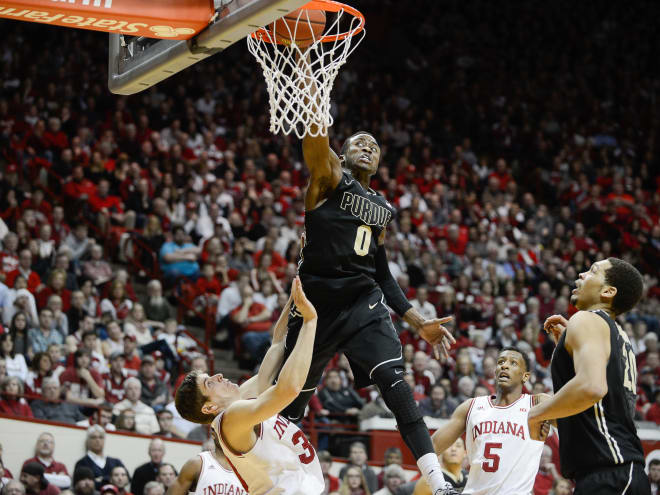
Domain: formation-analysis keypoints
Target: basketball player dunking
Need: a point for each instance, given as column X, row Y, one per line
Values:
column 503, row 453
column 594, row 375
column 345, row 273
column 207, row 473
column 269, row 453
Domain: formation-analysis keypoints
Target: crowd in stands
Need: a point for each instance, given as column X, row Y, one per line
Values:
column 513, row 164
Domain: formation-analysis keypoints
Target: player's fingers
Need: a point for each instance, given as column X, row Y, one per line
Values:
column 444, row 320
column 436, row 353
column 448, row 335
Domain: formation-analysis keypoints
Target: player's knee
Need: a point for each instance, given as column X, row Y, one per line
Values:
column 399, row 398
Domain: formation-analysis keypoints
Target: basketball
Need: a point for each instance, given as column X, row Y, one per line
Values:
column 306, row 25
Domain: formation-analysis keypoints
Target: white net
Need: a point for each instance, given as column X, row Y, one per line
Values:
column 299, row 79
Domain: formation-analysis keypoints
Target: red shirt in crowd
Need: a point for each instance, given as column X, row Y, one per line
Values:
column 70, row 379
column 77, row 189
column 110, row 203
column 114, row 387
column 33, row 279
column 52, row 468
column 16, row 407
column 46, row 292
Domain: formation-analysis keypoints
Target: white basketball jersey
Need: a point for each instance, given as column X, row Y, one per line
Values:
column 282, row 461
column 503, row 458
column 214, row 479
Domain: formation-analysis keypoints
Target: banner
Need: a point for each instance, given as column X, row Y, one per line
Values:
column 165, row 19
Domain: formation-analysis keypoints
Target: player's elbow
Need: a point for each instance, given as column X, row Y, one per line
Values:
column 595, row 391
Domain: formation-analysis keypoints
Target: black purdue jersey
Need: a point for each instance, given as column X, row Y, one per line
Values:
column 341, row 239
column 604, row 435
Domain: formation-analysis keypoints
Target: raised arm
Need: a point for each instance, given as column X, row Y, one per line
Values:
column 272, row 360
column 588, row 340
column 432, row 331
column 242, row 415
column 187, row 477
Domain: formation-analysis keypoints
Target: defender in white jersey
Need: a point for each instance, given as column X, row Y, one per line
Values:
column 268, row 453
column 207, row 473
column 503, row 454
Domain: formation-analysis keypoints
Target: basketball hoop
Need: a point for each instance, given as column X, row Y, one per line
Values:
column 300, row 75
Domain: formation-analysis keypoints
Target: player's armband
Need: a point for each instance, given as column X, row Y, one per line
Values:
column 394, row 296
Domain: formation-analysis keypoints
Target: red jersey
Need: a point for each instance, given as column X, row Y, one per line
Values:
column 70, row 379
column 114, row 387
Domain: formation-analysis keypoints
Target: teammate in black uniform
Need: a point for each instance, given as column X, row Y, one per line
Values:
column 345, row 274
column 595, row 379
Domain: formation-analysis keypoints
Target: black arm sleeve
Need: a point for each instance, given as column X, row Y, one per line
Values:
column 394, row 296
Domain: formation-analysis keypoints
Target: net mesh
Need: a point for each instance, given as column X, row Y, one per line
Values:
column 299, row 79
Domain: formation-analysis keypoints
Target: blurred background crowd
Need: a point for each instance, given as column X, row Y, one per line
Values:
column 140, row 233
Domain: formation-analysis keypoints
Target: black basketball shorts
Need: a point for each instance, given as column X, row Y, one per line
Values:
column 362, row 329
column 628, row 479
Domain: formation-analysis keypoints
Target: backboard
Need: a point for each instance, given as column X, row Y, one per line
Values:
column 137, row 62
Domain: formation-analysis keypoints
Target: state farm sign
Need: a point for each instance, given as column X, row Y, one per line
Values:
column 174, row 19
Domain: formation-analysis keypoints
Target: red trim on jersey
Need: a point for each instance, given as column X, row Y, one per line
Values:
column 467, row 418
column 245, row 487
column 504, row 407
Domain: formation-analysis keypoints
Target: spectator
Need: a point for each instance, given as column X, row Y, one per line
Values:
column 82, row 384
column 654, row 475
column 253, row 322
column 13, row 487
column 156, row 307
column 154, row 391
column 148, row 472
column 90, row 342
column 83, row 481
column 11, row 401
column 119, row 477
column 97, row 269
column 115, row 341
column 331, row 482
column 117, row 304
column 423, row 377
column 653, row 412
column 354, row 482
column 60, row 320
column 167, row 428
column 338, row 399
column 126, row 421
column 466, row 388
column 392, row 456
column 154, row 488
column 136, row 324
column 55, row 472
column 32, row 477
column 51, row 408
column 100, row 464
column 437, row 405
column 166, row 475
column 103, row 417
column 374, row 408
column 42, row 367
column 40, row 338
column 24, row 269
column 115, row 379
column 145, row 417
column 394, row 477
column 178, row 257
column 547, row 474
column 77, row 311
column 78, row 242
column 452, row 461
column 15, row 363
column 357, row 457
column 561, row 486
column 56, row 285
column 18, row 329
column 109, row 489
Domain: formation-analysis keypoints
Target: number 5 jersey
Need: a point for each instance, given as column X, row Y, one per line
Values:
column 282, row 461
column 503, row 457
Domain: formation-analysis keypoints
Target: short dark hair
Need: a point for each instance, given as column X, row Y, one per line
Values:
column 344, row 147
column 524, row 355
column 654, row 462
column 189, row 400
column 628, row 282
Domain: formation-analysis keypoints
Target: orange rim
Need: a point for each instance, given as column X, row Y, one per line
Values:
column 328, row 6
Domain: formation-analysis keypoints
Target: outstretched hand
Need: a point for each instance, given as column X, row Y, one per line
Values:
column 437, row 335
column 539, row 430
column 304, row 307
column 555, row 325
